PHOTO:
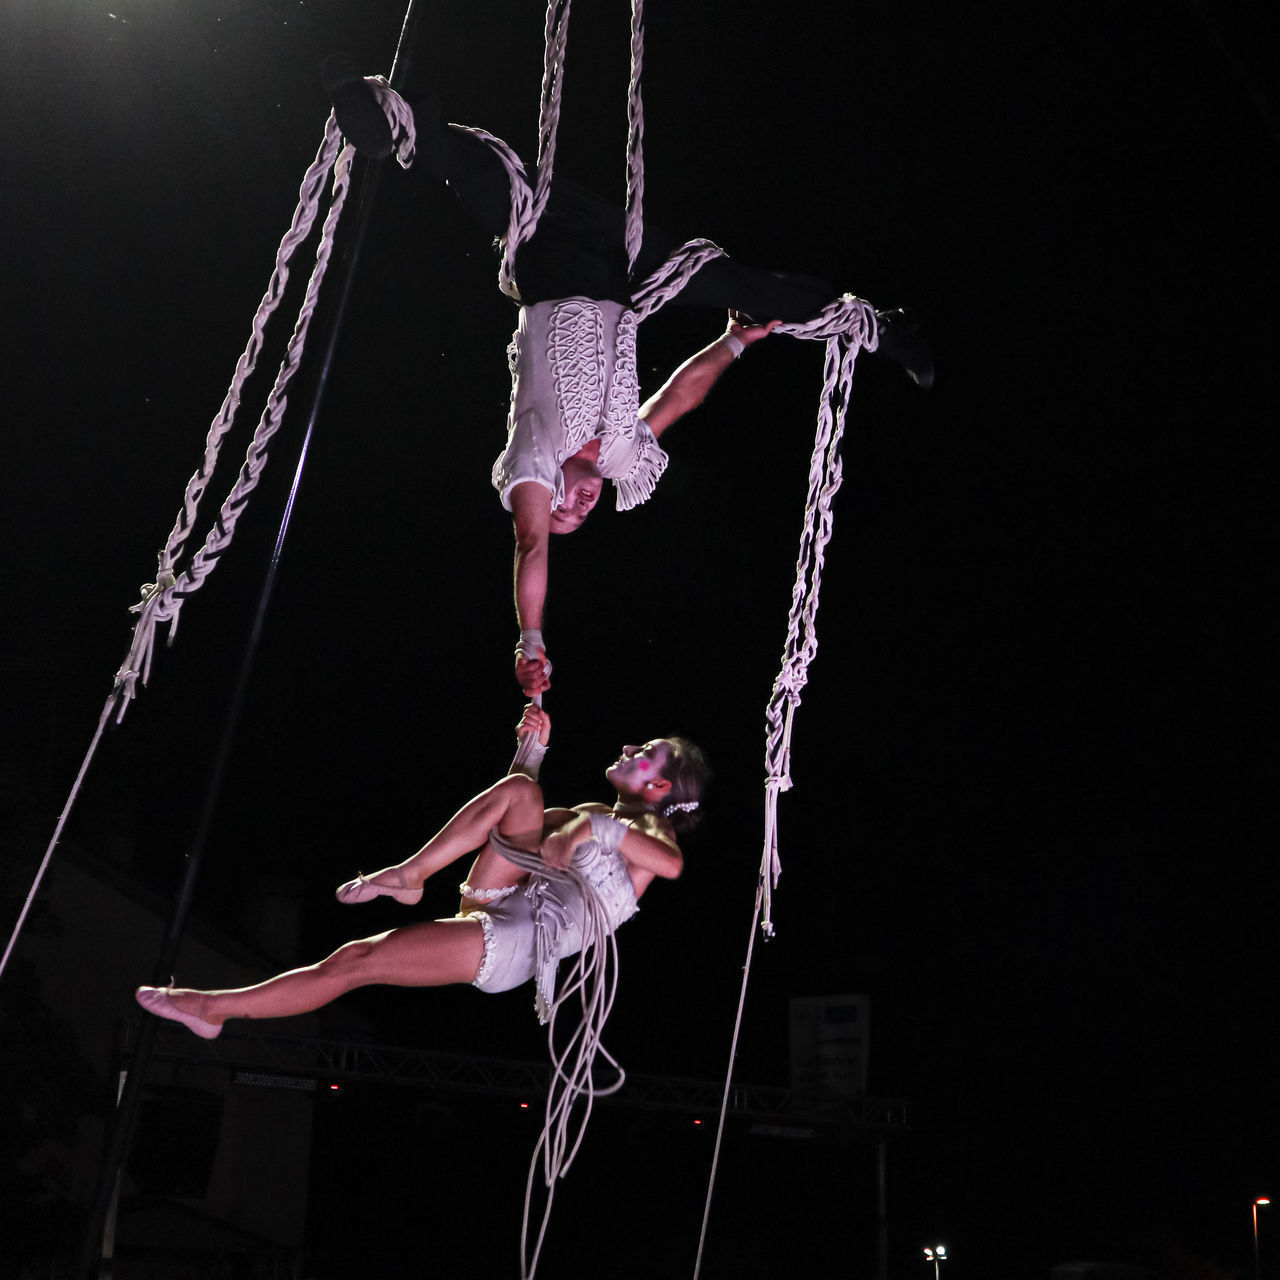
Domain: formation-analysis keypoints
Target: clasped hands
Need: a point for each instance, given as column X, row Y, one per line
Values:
column 531, row 673
column 742, row 327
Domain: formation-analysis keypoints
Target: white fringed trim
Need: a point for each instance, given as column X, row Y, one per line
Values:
column 638, row 484
column 487, row 897
column 486, row 923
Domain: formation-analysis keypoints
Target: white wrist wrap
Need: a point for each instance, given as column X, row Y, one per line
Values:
column 607, row 830
column 529, row 757
column 735, row 345
column 530, row 642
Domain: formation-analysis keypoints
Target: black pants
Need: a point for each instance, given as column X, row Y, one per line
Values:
column 579, row 247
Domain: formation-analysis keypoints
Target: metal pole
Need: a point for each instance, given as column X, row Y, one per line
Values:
column 882, row 1214
column 92, row 1265
column 1256, row 1203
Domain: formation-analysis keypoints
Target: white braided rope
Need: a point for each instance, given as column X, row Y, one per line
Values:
column 658, row 289
column 848, row 325
column 162, row 600
column 593, row 981
column 555, row 45
column 528, row 203
column 635, row 140
column 399, row 116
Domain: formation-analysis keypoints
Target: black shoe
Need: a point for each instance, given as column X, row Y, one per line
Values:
column 358, row 114
column 901, row 341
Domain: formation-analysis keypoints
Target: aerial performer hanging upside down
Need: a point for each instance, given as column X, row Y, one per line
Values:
column 542, row 883
column 576, row 418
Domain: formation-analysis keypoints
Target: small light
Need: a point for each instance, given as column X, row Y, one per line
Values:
column 524, row 1106
column 696, row 1122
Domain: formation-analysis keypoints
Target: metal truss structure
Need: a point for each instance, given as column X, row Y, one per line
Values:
column 304, row 1062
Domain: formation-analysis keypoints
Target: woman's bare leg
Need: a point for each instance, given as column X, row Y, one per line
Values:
column 433, row 954
column 513, row 805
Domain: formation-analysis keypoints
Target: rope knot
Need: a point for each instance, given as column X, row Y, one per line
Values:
column 166, row 580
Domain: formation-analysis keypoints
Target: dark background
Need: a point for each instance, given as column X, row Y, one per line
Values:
column 1032, row 763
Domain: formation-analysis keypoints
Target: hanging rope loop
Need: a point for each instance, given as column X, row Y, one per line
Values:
column 593, row 984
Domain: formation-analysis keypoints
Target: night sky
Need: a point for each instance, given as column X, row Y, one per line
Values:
column 1031, row 766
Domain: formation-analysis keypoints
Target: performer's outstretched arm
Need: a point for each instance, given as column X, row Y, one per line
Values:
column 690, row 384
column 531, row 513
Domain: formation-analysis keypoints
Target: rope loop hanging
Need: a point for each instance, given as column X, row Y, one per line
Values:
column 593, row 983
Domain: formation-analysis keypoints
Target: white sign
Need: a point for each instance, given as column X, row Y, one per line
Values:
column 829, row 1042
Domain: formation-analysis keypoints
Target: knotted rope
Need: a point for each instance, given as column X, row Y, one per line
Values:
column 847, row 324
column 162, row 600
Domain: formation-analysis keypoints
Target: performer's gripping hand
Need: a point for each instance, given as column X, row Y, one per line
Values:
column 742, row 327
column 531, row 673
column 536, row 721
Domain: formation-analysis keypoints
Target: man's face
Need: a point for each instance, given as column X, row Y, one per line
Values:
column 583, row 485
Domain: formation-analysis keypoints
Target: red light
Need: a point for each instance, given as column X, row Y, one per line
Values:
column 524, row 1106
column 697, row 1122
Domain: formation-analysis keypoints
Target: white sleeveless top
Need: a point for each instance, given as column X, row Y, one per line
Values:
column 573, row 380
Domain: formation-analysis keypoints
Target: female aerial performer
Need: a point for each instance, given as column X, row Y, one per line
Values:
column 491, row 942
column 575, row 417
